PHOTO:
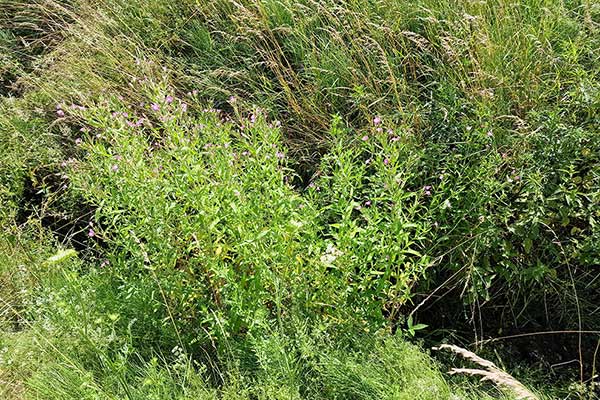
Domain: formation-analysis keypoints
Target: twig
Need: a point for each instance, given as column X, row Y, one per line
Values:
column 480, row 342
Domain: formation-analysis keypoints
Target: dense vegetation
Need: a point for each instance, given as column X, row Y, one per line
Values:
column 272, row 199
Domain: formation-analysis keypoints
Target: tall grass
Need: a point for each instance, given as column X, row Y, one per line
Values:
column 262, row 191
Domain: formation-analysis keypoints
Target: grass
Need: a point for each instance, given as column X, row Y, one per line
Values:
column 250, row 199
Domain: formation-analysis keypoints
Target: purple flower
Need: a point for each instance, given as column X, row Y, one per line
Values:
column 114, row 114
column 184, row 107
column 386, row 161
column 280, row 155
column 365, row 138
column 367, row 203
column 169, row 99
column 155, row 107
column 114, row 168
column 91, row 233
column 376, row 121
column 60, row 113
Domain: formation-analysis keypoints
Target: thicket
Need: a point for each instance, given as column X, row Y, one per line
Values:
column 263, row 199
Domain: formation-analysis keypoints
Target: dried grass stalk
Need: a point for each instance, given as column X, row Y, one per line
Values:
column 490, row 373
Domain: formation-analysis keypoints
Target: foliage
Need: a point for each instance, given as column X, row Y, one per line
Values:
column 266, row 198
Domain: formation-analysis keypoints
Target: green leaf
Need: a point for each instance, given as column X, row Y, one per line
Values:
column 527, row 244
column 61, row 256
column 418, row 327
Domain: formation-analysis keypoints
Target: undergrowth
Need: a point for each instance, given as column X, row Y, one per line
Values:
column 271, row 199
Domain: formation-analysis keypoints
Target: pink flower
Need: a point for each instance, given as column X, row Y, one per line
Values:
column 114, row 168
column 169, row 99
column 386, row 161
column 365, row 138
column 194, row 92
column 60, row 113
column 91, row 233
column 118, row 157
column 184, row 107
column 232, row 99
column 380, row 129
column 376, row 121
column 395, row 139
column 367, row 203
column 280, row 155
column 78, row 141
column 155, row 107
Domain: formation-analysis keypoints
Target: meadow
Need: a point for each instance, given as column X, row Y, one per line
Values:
column 298, row 199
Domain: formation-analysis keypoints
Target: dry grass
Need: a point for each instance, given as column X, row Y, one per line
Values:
column 490, row 372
